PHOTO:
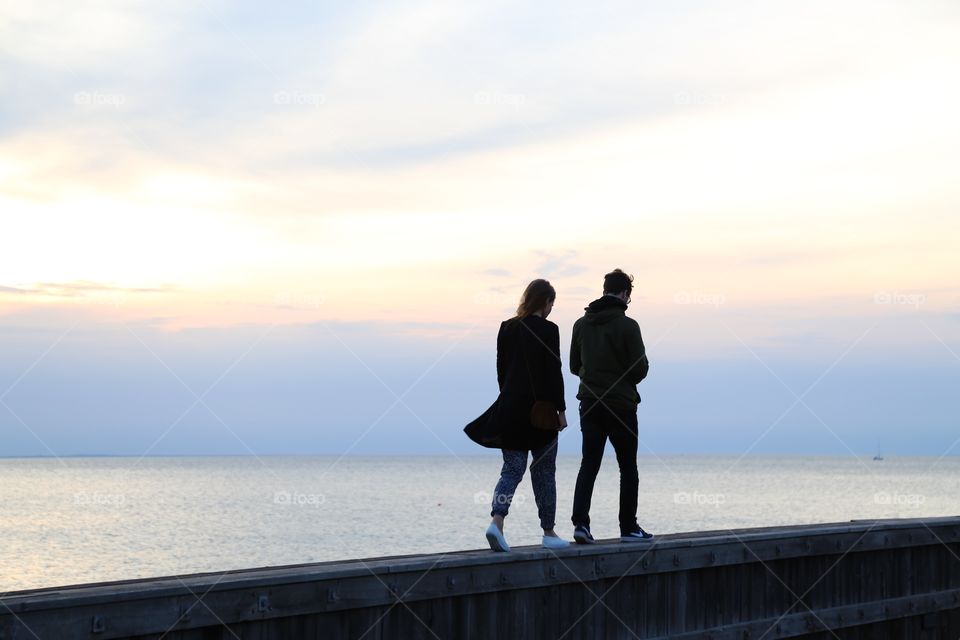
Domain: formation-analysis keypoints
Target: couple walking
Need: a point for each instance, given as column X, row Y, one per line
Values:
column 607, row 354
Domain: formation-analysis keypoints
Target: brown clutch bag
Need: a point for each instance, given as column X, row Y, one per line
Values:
column 543, row 415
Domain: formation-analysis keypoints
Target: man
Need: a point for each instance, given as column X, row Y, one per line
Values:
column 607, row 353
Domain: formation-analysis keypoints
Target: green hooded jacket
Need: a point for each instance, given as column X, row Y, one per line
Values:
column 607, row 354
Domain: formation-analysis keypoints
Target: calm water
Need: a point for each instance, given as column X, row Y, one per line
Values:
column 92, row 519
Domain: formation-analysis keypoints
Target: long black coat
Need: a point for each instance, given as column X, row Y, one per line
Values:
column 506, row 424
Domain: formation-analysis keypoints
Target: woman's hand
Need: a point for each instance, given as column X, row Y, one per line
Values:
column 562, row 415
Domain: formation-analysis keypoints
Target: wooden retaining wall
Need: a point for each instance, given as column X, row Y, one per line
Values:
column 875, row 579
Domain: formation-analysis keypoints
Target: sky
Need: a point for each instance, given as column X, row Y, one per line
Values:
column 242, row 228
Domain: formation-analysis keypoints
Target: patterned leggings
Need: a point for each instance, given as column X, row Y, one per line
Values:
column 543, row 471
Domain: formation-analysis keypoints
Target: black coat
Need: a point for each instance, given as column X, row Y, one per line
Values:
column 528, row 368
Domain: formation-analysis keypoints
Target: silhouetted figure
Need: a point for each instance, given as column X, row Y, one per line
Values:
column 529, row 373
column 607, row 353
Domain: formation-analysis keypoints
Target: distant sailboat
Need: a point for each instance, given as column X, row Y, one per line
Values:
column 879, row 455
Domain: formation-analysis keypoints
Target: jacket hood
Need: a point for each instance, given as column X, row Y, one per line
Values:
column 604, row 309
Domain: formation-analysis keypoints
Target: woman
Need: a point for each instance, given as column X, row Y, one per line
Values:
column 528, row 369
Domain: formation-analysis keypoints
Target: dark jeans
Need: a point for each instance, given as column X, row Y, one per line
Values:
column 599, row 422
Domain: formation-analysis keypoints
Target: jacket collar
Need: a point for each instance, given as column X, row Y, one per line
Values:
column 605, row 302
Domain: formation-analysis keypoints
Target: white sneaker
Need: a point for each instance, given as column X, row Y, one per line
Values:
column 554, row 542
column 496, row 539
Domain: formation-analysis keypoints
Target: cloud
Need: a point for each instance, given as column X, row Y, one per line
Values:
column 559, row 264
column 80, row 288
column 16, row 290
column 59, row 36
column 459, row 78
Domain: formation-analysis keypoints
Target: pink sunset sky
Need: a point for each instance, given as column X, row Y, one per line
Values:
column 311, row 211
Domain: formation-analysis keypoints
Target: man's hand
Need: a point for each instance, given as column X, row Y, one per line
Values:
column 562, row 415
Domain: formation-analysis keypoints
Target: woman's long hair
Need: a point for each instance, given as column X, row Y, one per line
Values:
column 535, row 297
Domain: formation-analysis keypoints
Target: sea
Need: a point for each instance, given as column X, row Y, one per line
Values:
column 75, row 520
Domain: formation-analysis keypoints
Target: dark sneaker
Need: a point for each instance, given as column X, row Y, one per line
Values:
column 636, row 535
column 582, row 535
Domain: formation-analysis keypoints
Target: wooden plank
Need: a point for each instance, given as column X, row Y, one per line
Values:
column 842, row 617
